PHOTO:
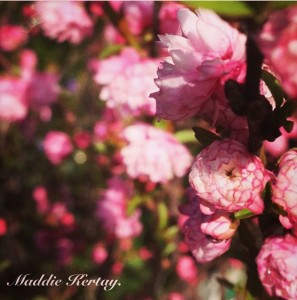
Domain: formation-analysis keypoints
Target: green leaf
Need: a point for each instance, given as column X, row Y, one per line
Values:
column 170, row 248
column 225, row 8
column 274, row 87
column 204, row 136
column 185, row 136
column 171, row 232
column 162, row 214
column 110, row 50
column 281, row 4
column 243, row 214
column 133, row 204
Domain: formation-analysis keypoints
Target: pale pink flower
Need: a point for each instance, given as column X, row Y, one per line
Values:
column 13, row 100
column 284, row 191
column 175, row 296
column 127, row 81
column 204, row 245
column 208, row 50
column 186, row 269
column 11, row 37
column 154, row 154
column 64, row 20
column 227, row 176
column 277, row 266
column 57, row 146
column 277, row 147
column 138, row 14
column 112, row 209
column 203, row 248
column 278, row 41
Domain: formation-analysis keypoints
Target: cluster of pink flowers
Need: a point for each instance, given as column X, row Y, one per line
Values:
column 64, row 21
column 112, row 209
column 153, row 154
column 127, row 81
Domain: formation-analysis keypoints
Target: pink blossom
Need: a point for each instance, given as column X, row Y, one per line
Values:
column 82, row 139
column 186, row 269
column 138, row 14
column 227, row 176
column 3, row 227
column 285, row 188
column 208, row 50
column 57, row 146
column 127, row 82
column 278, row 42
column 154, row 154
column 41, row 198
column 99, row 254
column 13, row 101
column 277, row 266
column 175, row 296
column 11, row 37
column 64, row 20
column 168, row 18
column 204, row 247
column 112, row 210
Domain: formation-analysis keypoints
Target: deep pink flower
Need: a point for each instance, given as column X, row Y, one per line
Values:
column 186, row 269
column 3, row 227
column 278, row 42
column 285, row 188
column 13, row 100
column 57, row 146
column 64, row 20
column 227, row 176
column 99, row 253
column 277, row 266
column 82, row 139
column 154, row 154
column 208, row 50
column 112, row 209
column 11, row 37
column 127, row 81
column 168, row 18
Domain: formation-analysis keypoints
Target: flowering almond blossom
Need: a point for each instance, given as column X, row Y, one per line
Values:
column 278, row 41
column 285, row 188
column 13, row 101
column 57, row 146
column 208, row 50
column 277, row 266
column 227, row 176
column 112, row 210
column 64, row 20
column 207, row 236
column 127, row 81
column 153, row 154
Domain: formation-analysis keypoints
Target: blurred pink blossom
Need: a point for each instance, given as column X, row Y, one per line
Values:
column 13, row 100
column 278, row 42
column 168, row 18
column 3, row 227
column 138, row 14
column 186, row 269
column 99, row 253
column 57, row 146
column 208, row 50
column 127, row 81
column 112, row 209
column 82, row 139
column 153, row 154
column 11, row 37
column 64, row 20
column 41, row 198
column 284, row 191
column 277, row 266
column 227, row 176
